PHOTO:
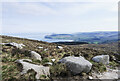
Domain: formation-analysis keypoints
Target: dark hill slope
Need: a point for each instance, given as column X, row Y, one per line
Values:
column 90, row 37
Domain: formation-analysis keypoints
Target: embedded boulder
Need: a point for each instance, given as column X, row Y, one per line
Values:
column 35, row 55
column 59, row 47
column 39, row 69
column 77, row 64
column 20, row 46
column 40, row 47
column 104, row 59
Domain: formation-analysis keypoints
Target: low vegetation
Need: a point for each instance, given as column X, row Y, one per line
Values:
column 10, row 54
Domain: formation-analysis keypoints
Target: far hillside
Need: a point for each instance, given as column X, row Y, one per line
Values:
column 90, row 37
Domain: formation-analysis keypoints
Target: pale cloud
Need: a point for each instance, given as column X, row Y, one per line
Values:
column 32, row 8
column 61, row 8
column 111, row 20
column 66, row 17
column 116, row 1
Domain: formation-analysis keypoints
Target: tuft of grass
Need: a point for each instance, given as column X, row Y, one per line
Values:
column 4, row 67
column 99, row 67
column 43, row 76
column 113, row 64
column 8, row 59
column 36, row 61
column 45, row 60
column 9, row 72
column 59, row 70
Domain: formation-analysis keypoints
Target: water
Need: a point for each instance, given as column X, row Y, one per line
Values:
column 36, row 36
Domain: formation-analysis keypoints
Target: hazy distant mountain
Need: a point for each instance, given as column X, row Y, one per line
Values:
column 91, row 37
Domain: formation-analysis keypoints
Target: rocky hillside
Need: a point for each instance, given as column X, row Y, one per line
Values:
column 25, row 59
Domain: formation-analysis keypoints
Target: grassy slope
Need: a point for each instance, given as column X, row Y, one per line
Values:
column 10, row 54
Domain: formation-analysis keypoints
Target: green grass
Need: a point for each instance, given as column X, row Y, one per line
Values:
column 98, row 67
column 59, row 70
column 113, row 64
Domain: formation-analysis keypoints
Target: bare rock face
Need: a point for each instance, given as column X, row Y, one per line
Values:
column 104, row 59
column 35, row 55
column 77, row 64
column 39, row 69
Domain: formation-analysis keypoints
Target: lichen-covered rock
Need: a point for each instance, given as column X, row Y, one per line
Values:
column 35, row 55
column 104, row 59
column 77, row 64
column 39, row 69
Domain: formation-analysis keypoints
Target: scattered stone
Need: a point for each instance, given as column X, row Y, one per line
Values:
column 20, row 46
column 35, row 55
column 113, row 58
column 48, row 63
column 6, row 50
column 39, row 69
column 45, row 49
column 118, row 62
column 53, row 60
column 90, row 77
column 2, row 43
column 77, row 64
column 59, row 47
column 40, row 47
column 104, row 59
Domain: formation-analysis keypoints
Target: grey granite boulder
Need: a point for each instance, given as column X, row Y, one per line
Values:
column 35, row 55
column 104, row 59
column 77, row 64
column 39, row 69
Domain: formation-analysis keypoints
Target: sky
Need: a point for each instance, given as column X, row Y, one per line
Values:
column 59, row 17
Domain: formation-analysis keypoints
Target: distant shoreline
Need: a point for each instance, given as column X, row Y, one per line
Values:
column 71, row 43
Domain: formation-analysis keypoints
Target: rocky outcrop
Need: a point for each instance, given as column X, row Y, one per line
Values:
column 20, row 46
column 104, row 59
column 35, row 55
column 39, row 69
column 77, row 64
